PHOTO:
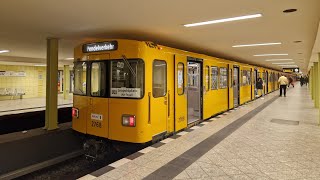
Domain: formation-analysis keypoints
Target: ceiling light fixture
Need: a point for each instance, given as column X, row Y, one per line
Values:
column 290, row 10
column 223, row 20
column 262, row 44
column 284, row 63
column 69, row 58
column 40, row 65
column 288, row 65
column 4, row 51
column 271, row 55
column 279, row 60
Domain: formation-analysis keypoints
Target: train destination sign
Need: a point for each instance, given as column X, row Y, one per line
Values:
column 100, row 46
column 125, row 92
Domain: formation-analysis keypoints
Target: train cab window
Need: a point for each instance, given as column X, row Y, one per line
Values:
column 207, row 75
column 98, row 79
column 180, row 78
column 80, row 78
column 127, row 78
column 223, row 78
column 214, row 77
column 159, row 78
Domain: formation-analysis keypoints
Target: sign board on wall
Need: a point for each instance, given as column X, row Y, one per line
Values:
column 12, row 74
column 290, row 70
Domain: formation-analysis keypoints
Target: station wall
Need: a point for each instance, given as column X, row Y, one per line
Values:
column 32, row 84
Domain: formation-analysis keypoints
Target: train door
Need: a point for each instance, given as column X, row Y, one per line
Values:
column 180, row 97
column 159, row 101
column 236, row 86
column 230, row 88
column 267, row 82
column 97, row 123
column 255, row 72
column 194, row 90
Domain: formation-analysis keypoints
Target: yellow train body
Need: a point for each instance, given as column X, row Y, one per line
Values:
column 172, row 90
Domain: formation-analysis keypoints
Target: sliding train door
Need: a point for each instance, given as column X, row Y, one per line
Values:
column 255, row 73
column 236, row 86
column 195, row 92
column 180, row 92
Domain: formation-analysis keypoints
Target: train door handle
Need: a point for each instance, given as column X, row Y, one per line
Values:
column 165, row 100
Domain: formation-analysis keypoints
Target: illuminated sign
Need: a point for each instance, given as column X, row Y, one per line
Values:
column 100, row 46
column 290, row 70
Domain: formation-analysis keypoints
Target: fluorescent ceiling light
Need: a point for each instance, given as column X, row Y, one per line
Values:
column 69, row 58
column 271, row 55
column 284, row 63
column 40, row 65
column 4, row 51
column 223, row 20
column 279, row 60
column 291, row 65
column 261, row 44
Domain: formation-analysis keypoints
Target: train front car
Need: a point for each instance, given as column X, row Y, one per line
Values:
column 109, row 101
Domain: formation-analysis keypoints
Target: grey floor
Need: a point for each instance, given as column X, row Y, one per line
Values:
column 17, row 106
column 282, row 141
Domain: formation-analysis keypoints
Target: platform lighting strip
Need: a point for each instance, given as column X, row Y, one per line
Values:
column 271, row 55
column 223, row 20
column 279, row 59
column 292, row 65
column 261, row 44
column 284, row 63
column 4, row 51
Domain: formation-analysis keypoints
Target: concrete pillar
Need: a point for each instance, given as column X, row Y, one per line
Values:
column 66, row 81
column 52, row 85
column 311, row 83
column 316, row 84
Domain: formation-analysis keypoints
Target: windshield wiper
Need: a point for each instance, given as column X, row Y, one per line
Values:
column 128, row 64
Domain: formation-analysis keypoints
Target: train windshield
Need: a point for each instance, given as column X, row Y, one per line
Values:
column 127, row 78
column 80, row 78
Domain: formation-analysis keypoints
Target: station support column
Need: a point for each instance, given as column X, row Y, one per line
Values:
column 311, row 82
column 313, row 86
column 316, row 84
column 66, row 81
column 51, row 115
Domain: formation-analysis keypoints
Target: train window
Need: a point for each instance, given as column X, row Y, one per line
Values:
column 159, row 78
column 180, row 78
column 246, row 77
column 207, row 75
column 98, row 79
column 80, row 78
column 127, row 78
column 223, row 78
column 214, row 77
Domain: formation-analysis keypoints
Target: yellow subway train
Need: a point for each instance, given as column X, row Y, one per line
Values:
column 138, row 92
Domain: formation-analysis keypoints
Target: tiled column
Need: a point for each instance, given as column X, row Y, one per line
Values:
column 311, row 82
column 316, row 84
column 51, row 85
column 66, row 81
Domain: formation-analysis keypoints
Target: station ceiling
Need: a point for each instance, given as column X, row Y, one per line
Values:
column 25, row 25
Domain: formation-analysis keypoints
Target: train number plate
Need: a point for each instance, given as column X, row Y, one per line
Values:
column 96, row 124
column 96, row 116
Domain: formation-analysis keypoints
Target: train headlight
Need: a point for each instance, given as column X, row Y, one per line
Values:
column 75, row 112
column 128, row 120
